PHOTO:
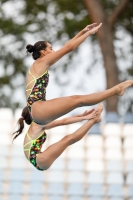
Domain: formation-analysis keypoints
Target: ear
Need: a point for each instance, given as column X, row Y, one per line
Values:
column 43, row 52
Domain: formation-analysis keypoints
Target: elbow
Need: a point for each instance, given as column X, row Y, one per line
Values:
column 69, row 48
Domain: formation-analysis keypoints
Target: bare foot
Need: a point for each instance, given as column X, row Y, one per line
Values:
column 99, row 109
column 123, row 86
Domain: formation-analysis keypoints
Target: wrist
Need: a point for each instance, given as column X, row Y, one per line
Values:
column 82, row 118
column 88, row 32
column 82, row 31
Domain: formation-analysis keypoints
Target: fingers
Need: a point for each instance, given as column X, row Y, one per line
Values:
column 91, row 26
column 100, row 25
column 94, row 24
column 90, row 111
column 86, row 112
column 93, row 115
column 93, row 112
column 97, row 28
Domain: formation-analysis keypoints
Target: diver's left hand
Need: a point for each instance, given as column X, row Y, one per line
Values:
column 89, row 27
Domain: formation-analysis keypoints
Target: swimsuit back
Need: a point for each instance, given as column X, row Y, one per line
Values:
column 35, row 148
column 38, row 91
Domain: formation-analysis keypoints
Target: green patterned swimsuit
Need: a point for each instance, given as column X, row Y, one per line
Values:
column 35, row 148
column 38, row 91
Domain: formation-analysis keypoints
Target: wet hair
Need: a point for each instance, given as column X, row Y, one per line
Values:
column 36, row 49
column 25, row 116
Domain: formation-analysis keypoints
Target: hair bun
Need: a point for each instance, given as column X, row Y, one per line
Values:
column 30, row 48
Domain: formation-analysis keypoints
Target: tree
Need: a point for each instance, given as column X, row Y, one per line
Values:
column 106, row 38
column 64, row 18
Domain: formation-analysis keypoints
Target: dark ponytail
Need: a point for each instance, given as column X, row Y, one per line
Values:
column 36, row 49
column 25, row 116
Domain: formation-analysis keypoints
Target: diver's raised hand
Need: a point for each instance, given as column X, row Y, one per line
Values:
column 95, row 29
column 89, row 27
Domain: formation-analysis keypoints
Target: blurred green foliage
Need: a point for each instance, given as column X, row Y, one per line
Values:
column 50, row 20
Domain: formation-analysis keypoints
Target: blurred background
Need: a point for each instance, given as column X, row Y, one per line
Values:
column 101, row 165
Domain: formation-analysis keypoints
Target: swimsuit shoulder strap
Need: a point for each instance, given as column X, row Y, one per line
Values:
column 34, row 79
column 32, row 140
column 32, row 74
column 29, row 141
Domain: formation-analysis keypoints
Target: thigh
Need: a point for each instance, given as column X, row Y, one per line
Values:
column 47, row 157
column 46, row 111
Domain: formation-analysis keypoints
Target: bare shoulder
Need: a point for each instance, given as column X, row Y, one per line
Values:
column 34, row 130
column 38, row 68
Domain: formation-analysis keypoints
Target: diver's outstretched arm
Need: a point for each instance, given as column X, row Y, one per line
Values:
column 70, row 120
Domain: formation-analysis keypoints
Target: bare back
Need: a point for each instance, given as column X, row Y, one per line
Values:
column 34, row 132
